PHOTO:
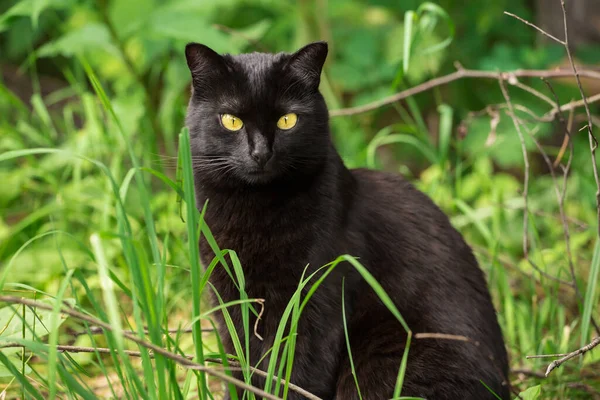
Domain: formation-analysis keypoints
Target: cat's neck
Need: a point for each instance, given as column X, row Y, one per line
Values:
column 286, row 203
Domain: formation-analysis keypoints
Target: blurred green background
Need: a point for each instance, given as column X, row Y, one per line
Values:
column 456, row 142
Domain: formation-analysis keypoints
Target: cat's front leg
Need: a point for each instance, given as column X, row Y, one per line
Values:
column 319, row 347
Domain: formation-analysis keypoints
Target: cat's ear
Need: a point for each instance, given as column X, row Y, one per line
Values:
column 204, row 63
column 307, row 62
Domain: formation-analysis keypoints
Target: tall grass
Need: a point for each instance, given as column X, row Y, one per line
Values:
column 114, row 234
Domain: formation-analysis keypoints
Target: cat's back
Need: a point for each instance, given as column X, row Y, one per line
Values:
column 415, row 253
column 408, row 237
column 398, row 208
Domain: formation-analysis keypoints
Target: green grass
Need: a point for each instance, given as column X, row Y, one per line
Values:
column 97, row 209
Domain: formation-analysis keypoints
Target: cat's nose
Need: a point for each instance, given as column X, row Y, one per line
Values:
column 261, row 156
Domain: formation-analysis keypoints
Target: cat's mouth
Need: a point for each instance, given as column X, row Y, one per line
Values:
column 259, row 175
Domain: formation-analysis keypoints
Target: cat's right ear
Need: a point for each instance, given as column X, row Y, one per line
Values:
column 307, row 63
column 204, row 63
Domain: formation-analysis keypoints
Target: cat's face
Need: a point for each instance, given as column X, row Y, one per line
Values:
column 256, row 118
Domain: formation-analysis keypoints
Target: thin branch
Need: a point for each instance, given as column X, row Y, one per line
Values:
column 572, row 105
column 547, row 355
column 557, row 363
column 509, row 76
column 548, row 117
column 566, row 139
column 527, row 372
column 526, row 172
column 525, row 187
column 592, row 138
column 593, row 145
column 183, row 361
column 561, row 196
column 97, row 330
column 258, row 318
column 534, row 92
column 63, row 348
column 507, row 263
column 543, row 32
column 234, row 365
column 444, row 336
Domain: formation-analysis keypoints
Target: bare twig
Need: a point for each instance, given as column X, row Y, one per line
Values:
column 181, row 360
column 592, row 138
column 527, row 372
column 444, row 336
column 509, row 76
column 234, row 365
column 557, row 363
column 572, row 105
column 548, row 117
column 262, row 310
column 534, row 92
column 593, row 146
column 566, row 139
column 562, row 194
column 63, row 348
column 525, row 187
column 546, row 356
column 97, row 330
column 543, row 32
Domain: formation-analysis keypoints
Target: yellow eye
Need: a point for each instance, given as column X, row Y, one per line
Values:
column 288, row 121
column 231, row 122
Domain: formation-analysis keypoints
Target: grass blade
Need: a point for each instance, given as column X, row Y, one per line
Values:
column 589, row 302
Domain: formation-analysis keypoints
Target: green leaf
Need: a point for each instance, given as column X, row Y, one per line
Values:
column 90, row 37
column 188, row 26
column 20, row 377
column 32, row 9
column 37, row 322
column 121, row 13
column 590, row 294
column 409, row 18
column 5, row 372
column 423, row 148
column 532, row 393
column 436, row 11
column 445, row 133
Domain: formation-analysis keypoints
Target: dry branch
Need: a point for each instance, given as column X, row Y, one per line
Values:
column 444, row 336
column 592, row 138
column 527, row 372
column 235, row 366
column 561, row 195
column 517, row 125
column 509, row 76
column 181, row 360
column 97, row 330
column 566, row 357
column 593, row 145
column 543, row 32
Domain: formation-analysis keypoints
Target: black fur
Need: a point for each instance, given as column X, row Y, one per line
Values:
column 305, row 207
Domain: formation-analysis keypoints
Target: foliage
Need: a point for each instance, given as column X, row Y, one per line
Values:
column 95, row 186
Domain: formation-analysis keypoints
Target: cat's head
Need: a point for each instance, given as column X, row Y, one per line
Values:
column 256, row 118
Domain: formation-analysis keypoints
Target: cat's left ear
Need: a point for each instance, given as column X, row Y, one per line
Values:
column 307, row 63
column 204, row 63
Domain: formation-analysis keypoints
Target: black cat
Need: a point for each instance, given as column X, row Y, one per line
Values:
column 280, row 196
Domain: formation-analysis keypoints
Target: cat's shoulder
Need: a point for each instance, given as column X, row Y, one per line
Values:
column 394, row 196
column 383, row 182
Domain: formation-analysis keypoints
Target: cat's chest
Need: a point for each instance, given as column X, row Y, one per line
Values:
column 262, row 253
column 262, row 237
